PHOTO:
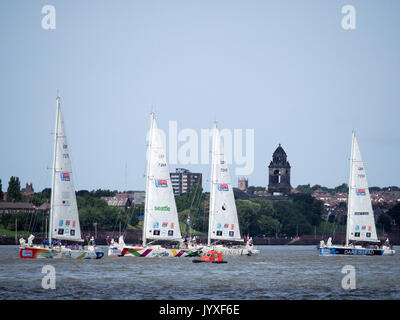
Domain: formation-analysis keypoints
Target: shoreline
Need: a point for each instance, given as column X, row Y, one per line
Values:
column 256, row 241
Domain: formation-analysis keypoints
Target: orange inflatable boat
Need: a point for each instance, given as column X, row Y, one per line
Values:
column 211, row 256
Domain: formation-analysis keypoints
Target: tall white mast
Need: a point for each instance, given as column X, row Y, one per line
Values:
column 54, row 169
column 146, row 207
column 212, row 187
column 350, row 195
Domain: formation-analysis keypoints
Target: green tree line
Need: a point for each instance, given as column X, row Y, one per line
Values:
column 257, row 216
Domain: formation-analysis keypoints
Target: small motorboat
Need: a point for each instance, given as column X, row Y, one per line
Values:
column 211, row 256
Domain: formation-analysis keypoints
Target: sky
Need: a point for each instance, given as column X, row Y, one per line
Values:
column 286, row 69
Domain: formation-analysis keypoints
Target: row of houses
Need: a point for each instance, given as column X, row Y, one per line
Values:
column 385, row 199
column 125, row 200
column 26, row 207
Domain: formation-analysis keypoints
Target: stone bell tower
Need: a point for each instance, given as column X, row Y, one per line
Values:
column 279, row 173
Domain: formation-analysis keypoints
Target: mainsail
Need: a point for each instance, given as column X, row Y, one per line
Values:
column 223, row 219
column 64, row 218
column 160, row 217
column 360, row 216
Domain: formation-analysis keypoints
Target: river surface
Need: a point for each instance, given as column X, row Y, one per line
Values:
column 279, row 272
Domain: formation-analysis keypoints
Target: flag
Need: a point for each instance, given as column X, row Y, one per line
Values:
column 65, row 176
column 360, row 192
column 161, row 183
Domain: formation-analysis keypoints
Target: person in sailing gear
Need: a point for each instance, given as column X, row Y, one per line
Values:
column 91, row 242
column 22, row 242
column 121, row 241
column 30, row 240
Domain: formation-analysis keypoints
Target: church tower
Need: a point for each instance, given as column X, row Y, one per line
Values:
column 279, row 173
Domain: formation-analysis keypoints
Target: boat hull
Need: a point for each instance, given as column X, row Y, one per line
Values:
column 351, row 251
column 57, row 253
column 233, row 251
column 149, row 252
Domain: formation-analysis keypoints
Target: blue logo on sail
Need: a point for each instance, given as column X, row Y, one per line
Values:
column 223, row 187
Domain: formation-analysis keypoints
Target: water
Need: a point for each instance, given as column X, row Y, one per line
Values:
column 279, row 272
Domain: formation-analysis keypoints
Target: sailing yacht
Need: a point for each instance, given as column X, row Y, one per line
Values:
column 360, row 216
column 161, row 222
column 64, row 217
column 223, row 224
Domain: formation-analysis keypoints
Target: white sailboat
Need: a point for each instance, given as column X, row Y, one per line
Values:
column 223, row 225
column 161, row 216
column 360, row 215
column 64, row 217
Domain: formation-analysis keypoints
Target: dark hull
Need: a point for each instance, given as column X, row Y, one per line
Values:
column 349, row 251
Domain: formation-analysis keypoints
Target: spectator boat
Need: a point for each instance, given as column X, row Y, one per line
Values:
column 211, row 256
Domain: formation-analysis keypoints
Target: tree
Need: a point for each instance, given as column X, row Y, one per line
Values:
column 1, row 192
column 371, row 189
column 94, row 210
column 319, row 187
column 82, row 193
column 304, row 188
column 309, row 207
column 134, row 213
column 191, row 198
column 291, row 218
column 41, row 197
column 343, row 188
column 103, row 193
column 394, row 213
column 251, row 189
column 14, row 190
column 385, row 221
column 246, row 210
column 267, row 225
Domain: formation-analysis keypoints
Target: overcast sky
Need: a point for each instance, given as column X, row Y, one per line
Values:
column 286, row 69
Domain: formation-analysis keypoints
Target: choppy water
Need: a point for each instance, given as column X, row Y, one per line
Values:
column 279, row 272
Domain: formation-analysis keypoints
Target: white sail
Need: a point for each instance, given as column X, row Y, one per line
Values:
column 64, row 218
column 160, row 217
column 223, row 219
column 360, row 221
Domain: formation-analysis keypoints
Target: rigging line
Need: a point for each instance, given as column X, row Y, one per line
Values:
column 129, row 217
column 33, row 226
column 26, row 222
column 199, row 204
